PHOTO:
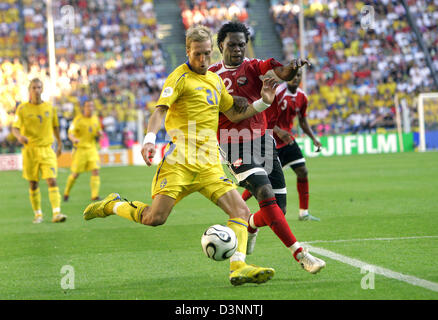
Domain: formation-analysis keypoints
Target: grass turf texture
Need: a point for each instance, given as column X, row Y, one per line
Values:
column 356, row 197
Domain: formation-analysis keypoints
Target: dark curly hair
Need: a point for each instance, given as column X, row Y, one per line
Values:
column 231, row 27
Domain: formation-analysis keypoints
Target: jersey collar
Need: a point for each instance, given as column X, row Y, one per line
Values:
column 234, row 67
column 188, row 65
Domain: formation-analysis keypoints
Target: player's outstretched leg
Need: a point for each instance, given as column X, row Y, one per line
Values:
column 271, row 215
column 135, row 211
column 240, row 271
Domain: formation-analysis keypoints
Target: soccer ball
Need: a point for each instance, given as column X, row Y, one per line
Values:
column 219, row 242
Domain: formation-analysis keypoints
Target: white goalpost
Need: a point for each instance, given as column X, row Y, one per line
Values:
column 428, row 121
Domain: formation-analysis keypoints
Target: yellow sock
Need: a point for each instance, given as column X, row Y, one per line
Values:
column 35, row 201
column 240, row 228
column 70, row 182
column 126, row 210
column 55, row 199
column 95, row 186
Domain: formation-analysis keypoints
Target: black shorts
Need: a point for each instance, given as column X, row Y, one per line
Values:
column 291, row 156
column 255, row 164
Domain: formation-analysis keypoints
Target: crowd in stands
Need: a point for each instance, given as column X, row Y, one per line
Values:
column 213, row 14
column 109, row 54
column 357, row 70
column 9, row 29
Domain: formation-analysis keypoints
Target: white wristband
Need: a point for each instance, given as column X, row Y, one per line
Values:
column 149, row 138
column 260, row 105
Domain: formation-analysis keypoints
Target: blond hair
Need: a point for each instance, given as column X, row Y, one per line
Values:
column 35, row 80
column 198, row 33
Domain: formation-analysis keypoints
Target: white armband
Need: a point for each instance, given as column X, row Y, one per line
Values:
column 149, row 138
column 260, row 105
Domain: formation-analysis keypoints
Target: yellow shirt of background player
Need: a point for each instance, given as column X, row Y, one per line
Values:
column 86, row 130
column 36, row 122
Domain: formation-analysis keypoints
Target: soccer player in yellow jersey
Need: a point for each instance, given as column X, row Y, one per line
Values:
column 83, row 133
column 191, row 101
column 35, row 125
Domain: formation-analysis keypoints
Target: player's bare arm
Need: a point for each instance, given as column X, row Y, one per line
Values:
column 304, row 124
column 289, row 71
column 268, row 95
column 148, row 149
column 22, row 139
column 240, row 104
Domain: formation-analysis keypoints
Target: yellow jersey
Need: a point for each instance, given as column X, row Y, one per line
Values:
column 36, row 122
column 86, row 130
column 194, row 102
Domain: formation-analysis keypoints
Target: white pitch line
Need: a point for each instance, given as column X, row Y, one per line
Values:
column 370, row 239
column 376, row 269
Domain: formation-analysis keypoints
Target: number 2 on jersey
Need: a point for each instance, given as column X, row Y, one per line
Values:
column 228, row 83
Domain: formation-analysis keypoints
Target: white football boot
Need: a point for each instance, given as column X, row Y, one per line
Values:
column 310, row 263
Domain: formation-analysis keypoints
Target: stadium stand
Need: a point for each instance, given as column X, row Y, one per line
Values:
column 9, row 29
column 213, row 13
column 356, row 72
column 112, row 56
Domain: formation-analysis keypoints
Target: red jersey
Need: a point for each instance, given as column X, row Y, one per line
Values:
column 244, row 80
column 284, row 109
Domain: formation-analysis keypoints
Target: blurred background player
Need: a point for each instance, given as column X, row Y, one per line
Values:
column 290, row 102
column 35, row 125
column 84, row 133
column 193, row 95
column 242, row 77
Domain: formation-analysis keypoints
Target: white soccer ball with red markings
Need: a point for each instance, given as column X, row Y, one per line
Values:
column 219, row 242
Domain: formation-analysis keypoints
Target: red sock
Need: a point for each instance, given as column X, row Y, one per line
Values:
column 303, row 192
column 271, row 215
column 246, row 195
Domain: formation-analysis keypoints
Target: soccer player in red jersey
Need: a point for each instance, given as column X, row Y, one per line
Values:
column 291, row 101
column 250, row 152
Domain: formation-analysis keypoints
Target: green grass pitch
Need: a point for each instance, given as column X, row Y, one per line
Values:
column 357, row 197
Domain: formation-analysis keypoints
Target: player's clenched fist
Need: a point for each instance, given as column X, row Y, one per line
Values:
column 148, row 153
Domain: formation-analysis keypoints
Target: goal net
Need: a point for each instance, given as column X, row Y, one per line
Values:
column 428, row 121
